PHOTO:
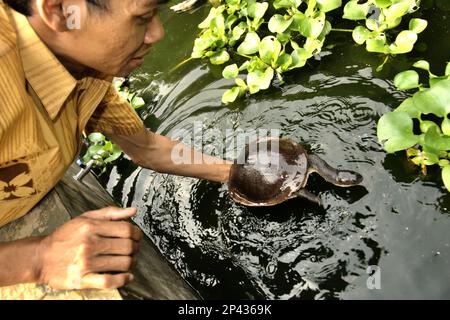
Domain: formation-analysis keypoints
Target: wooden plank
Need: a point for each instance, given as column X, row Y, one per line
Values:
column 155, row 278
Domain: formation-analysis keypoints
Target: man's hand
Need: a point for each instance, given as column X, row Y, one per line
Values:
column 77, row 255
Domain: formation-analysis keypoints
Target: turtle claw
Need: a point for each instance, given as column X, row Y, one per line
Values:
column 307, row 195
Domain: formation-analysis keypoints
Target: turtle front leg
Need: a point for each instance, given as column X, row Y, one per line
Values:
column 307, row 195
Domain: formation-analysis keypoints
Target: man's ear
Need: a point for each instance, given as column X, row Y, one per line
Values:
column 52, row 13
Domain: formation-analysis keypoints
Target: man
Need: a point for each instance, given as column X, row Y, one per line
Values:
column 57, row 60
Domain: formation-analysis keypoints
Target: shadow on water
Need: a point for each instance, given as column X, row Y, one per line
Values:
column 394, row 220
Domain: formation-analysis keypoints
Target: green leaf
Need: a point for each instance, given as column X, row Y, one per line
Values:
column 231, row 19
column 404, row 42
column 383, row 3
column 259, row 80
column 434, row 100
column 278, row 24
column 355, row 11
column 307, row 26
column 426, row 125
column 96, row 137
column 360, row 34
column 241, row 83
column 257, row 10
column 277, row 4
column 409, row 107
column 137, row 102
column 214, row 12
column 326, row 30
column 250, row 45
column 377, row 44
column 113, row 157
column 391, row 24
column 230, row 95
column 284, row 37
column 269, row 49
column 313, row 46
column 238, row 31
column 446, row 126
column 430, row 158
column 372, row 24
column 217, row 26
column 311, row 8
column 435, row 80
column 230, row 72
column 434, row 140
column 200, row 45
column 406, row 80
column 395, row 132
column 284, row 61
column 446, row 177
column 219, row 57
column 447, row 69
column 396, row 11
column 299, row 57
column 418, row 25
column 328, row 5
column 96, row 150
column 422, row 64
column 108, row 146
column 314, row 27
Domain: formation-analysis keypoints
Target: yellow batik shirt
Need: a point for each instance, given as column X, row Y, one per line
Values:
column 43, row 112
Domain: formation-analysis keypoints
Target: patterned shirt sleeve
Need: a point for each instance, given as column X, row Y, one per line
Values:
column 115, row 115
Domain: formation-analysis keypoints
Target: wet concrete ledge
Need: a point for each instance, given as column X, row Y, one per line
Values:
column 155, row 278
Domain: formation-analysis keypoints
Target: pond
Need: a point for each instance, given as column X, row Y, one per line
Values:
column 396, row 224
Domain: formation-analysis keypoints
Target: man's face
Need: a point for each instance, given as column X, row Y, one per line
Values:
column 114, row 41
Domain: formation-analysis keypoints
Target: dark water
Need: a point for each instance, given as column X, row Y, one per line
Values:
column 397, row 220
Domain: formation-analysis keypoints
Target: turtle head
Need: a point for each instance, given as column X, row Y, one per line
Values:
column 345, row 178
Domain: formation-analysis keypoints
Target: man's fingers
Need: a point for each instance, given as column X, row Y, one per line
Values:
column 124, row 247
column 118, row 229
column 105, row 281
column 112, row 264
column 111, row 213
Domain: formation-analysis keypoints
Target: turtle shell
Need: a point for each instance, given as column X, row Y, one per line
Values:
column 268, row 172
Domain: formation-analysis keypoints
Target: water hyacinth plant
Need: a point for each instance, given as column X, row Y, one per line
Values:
column 383, row 15
column 275, row 37
column 429, row 107
column 272, row 38
column 100, row 150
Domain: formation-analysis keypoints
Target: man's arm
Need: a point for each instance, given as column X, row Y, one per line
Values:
column 20, row 261
column 161, row 154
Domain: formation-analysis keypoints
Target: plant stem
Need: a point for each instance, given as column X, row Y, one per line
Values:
column 380, row 67
column 180, row 64
column 342, row 30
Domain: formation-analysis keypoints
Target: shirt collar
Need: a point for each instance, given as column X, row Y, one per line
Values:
column 51, row 81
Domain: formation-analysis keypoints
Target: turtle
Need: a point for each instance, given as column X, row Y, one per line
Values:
column 272, row 170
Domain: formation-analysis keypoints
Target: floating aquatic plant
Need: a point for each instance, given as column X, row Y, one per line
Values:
column 100, row 150
column 430, row 108
column 263, row 40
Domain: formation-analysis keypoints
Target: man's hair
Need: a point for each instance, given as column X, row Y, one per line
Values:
column 24, row 6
